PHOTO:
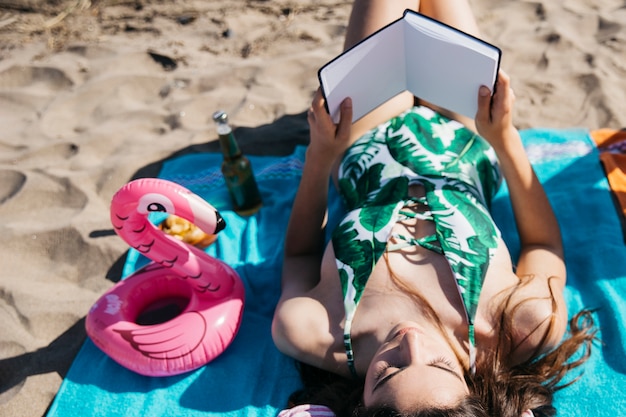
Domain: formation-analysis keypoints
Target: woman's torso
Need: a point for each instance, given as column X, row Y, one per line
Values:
column 383, row 304
column 425, row 271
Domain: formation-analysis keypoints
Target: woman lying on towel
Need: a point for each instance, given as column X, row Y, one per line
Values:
column 415, row 307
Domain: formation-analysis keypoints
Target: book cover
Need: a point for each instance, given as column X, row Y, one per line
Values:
column 434, row 61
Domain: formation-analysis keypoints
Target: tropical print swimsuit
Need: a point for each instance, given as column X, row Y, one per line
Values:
column 459, row 173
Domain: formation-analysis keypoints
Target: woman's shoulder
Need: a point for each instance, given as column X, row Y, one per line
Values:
column 300, row 329
column 531, row 309
column 307, row 323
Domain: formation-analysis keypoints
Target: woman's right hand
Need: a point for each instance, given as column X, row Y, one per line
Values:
column 328, row 140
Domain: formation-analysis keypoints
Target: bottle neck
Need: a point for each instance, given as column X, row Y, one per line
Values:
column 228, row 144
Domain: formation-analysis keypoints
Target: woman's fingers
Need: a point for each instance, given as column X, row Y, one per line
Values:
column 501, row 98
column 318, row 115
column 484, row 105
column 493, row 107
column 345, row 120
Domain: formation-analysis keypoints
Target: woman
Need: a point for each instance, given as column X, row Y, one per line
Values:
column 415, row 303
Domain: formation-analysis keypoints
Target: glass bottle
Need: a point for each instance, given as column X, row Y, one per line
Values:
column 237, row 170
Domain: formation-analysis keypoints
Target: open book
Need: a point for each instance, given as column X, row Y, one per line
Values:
column 434, row 61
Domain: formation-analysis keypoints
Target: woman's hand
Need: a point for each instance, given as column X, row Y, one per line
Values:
column 328, row 140
column 494, row 118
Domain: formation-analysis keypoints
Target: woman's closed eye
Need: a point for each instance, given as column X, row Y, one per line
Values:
column 385, row 372
column 381, row 370
column 443, row 361
column 446, row 365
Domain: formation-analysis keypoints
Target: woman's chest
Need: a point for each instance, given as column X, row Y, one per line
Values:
column 403, row 285
column 413, row 281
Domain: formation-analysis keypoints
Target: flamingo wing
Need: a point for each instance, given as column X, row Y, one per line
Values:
column 173, row 339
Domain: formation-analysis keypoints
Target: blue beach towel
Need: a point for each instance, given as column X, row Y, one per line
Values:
column 251, row 378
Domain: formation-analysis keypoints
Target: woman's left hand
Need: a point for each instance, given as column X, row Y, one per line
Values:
column 494, row 119
column 328, row 140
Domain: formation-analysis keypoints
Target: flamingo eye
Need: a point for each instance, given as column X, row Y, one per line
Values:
column 156, row 207
column 154, row 202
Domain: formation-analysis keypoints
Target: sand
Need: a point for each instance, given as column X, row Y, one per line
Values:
column 93, row 94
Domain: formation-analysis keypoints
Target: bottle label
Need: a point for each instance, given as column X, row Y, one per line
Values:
column 243, row 189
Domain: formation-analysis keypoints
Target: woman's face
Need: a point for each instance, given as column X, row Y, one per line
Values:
column 414, row 369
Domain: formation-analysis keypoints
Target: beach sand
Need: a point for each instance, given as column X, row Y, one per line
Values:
column 93, row 94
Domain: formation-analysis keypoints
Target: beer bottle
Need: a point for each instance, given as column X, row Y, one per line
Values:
column 237, row 170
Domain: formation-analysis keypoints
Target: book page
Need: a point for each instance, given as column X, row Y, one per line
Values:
column 446, row 67
column 446, row 74
column 370, row 73
column 445, row 33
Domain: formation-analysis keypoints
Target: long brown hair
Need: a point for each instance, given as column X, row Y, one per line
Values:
column 508, row 389
column 497, row 389
column 344, row 397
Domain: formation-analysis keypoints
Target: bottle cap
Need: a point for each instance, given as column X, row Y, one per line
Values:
column 220, row 116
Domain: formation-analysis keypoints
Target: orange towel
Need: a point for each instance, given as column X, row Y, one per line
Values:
column 612, row 146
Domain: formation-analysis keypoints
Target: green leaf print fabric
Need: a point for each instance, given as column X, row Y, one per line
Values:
column 459, row 173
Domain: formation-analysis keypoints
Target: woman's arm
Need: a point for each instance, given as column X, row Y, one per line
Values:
column 536, row 223
column 304, row 242
column 300, row 327
column 541, row 254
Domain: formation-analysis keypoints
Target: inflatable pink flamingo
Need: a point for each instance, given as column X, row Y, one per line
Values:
column 208, row 291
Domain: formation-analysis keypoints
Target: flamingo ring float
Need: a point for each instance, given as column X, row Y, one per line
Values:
column 207, row 290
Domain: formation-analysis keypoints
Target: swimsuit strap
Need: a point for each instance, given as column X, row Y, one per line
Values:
column 472, row 348
column 347, row 344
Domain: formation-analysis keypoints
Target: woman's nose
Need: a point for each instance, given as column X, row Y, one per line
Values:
column 410, row 345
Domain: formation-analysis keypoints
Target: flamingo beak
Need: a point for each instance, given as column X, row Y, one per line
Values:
column 220, row 223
